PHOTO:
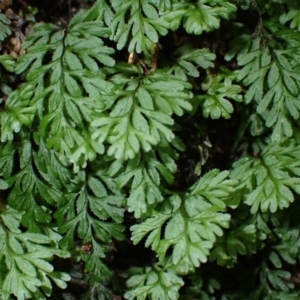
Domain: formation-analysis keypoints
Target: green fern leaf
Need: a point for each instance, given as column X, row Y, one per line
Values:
column 155, row 282
column 199, row 17
column 267, row 181
column 140, row 112
column 292, row 16
column 143, row 175
column 275, row 68
column 143, row 27
column 4, row 27
column 26, row 257
column 32, row 191
column 218, row 90
column 86, row 212
column 188, row 60
column 73, row 91
column 191, row 226
column 239, row 241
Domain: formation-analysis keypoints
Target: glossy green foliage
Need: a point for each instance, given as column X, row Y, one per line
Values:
column 169, row 124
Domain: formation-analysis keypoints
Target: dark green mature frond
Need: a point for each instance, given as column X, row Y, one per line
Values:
column 33, row 188
column 145, row 174
column 239, row 241
column 94, row 214
column 291, row 15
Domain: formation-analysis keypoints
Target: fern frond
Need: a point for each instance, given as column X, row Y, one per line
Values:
column 272, row 76
column 187, row 61
column 200, row 16
column 95, row 215
column 155, row 282
column 139, row 113
column 267, row 180
column 142, row 28
column 191, row 224
column 74, row 89
column 219, row 89
column 5, row 29
column 25, row 254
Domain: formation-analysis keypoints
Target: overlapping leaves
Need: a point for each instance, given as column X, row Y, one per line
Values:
column 37, row 185
column 239, row 241
column 292, row 15
column 64, row 86
column 143, row 175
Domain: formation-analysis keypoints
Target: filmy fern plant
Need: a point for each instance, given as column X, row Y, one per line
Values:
column 111, row 137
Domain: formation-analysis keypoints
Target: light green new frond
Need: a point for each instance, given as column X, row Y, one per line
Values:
column 281, row 100
column 212, row 188
column 191, row 224
column 138, row 115
column 154, row 282
column 28, row 272
column 138, row 22
column 267, row 181
column 218, row 91
column 200, row 16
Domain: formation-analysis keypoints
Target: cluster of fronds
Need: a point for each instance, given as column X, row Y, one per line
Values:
column 90, row 126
